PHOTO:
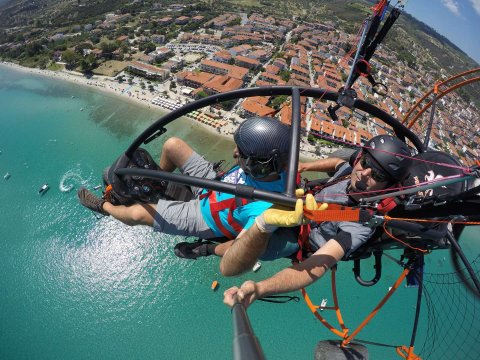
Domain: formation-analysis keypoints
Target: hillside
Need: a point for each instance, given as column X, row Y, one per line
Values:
column 413, row 42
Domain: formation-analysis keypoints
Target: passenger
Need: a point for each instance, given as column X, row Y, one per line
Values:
column 262, row 146
column 383, row 162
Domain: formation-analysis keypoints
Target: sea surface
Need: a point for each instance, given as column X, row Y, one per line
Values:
column 76, row 287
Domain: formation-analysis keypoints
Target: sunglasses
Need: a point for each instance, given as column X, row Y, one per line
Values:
column 376, row 174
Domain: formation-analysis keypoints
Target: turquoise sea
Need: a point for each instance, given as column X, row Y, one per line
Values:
column 75, row 287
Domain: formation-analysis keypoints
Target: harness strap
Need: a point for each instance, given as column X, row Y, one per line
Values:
column 216, row 206
column 334, row 212
column 303, row 241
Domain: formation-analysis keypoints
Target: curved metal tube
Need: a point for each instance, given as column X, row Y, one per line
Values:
column 378, row 270
column 399, row 128
column 288, row 198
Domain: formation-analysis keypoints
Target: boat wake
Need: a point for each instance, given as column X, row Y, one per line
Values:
column 71, row 179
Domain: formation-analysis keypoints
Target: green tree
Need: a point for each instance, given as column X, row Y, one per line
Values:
column 202, row 94
column 70, row 58
column 148, row 47
column 108, row 48
column 88, row 63
column 33, row 48
column 278, row 101
column 285, row 75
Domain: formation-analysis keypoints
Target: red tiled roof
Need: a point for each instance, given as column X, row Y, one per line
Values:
column 255, row 108
column 223, row 83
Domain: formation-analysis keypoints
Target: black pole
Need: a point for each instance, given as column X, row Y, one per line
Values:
column 244, row 191
column 291, row 184
column 419, row 271
column 245, row 344
column 432, row 117
column 462, row 256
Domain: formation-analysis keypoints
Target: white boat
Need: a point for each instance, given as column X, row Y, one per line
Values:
column 257, row 266
column 6, row 176
column 43, row 189
column 323, row 304
column 97, row 187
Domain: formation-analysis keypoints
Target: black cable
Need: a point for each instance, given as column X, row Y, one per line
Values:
column 286, row 298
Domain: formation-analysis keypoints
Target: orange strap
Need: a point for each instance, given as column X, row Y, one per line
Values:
column 333, row 213
column 108, row 191
column 407, row 353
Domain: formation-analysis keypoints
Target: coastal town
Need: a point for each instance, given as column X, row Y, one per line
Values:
column 176, row 54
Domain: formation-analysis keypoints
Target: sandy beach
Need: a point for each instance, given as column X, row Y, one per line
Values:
column 162, row 99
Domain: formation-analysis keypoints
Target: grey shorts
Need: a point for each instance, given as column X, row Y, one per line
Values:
column 185, row 218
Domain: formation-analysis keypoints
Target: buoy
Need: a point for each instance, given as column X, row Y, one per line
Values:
column 214, row 285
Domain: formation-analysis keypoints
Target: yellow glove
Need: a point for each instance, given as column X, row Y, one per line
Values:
column 277, row 216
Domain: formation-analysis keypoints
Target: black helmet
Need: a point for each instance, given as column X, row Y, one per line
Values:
column 391, row 154
column 263, row 145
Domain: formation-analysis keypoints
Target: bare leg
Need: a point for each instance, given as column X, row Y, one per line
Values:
column 136, row 214
column 174, row 154
column 223, row 247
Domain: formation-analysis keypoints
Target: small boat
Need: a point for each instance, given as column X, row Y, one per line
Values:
column 7, row 176
column 257, row 266
column 323, row 304
column 214, row 285
column 97, row 187
column 81, row 109
column 43, row 189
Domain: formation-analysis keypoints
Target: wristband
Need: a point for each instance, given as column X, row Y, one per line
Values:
column 263, row 226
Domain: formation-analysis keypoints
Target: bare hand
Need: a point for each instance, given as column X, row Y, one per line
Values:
column 302, row 167
column 247, row 294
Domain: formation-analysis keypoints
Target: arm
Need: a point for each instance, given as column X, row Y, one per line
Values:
column 322, row 165
column 251, row 244
column 244, row 252
column 290, row 279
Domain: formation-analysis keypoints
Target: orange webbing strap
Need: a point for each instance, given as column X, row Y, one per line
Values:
column 343, row 333
column 407, row 353
column 377, row 308
column 314, row 309
column 334, row 212
column 108, row 191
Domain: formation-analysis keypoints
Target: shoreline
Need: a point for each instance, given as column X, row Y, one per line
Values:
column 132, row 93
column 142, row 97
